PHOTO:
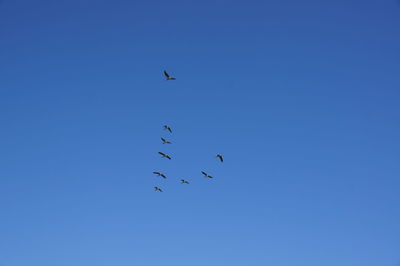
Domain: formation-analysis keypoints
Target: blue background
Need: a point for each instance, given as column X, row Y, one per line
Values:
column 301, row 97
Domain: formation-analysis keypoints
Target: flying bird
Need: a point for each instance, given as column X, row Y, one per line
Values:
column 206, row 175
column 165, row 141
column 167, row 128
column 160, row 174
column 164, row 155
column 220, row 157
column 168, row 77
column 158, row 189
column 183, row 181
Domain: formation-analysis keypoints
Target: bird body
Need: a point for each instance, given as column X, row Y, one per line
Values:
column 165, row 155
column 165, row 141
column 158, row 189
column 206, row 175
column 168, row 77
column 219, row 156
column 160, row 174
column 183, row 181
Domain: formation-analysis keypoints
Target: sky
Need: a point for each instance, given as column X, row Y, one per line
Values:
column 301, row 98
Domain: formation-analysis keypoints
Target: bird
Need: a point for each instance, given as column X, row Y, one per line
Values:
column 168, row 77
column 220, row 157
column 158, row 189
column 165, row 155
column 183, row 181
column 167, row 128
column 206, row 175
column 160, row 174
column 165, row 141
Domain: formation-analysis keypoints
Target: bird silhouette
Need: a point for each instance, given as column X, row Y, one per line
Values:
column 220, row 157
column 183, row 181
column 168, row 77
column 167, row 128
column 160, row 174
column 165, row 155
column 206, row 175
column 158, row 189
column 165, row 141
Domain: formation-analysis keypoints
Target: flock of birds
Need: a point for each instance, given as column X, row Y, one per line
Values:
column 164, row 155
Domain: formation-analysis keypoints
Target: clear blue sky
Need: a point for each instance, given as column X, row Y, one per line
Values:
column 301, row 97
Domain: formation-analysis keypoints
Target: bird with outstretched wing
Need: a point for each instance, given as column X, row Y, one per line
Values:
column 164, row 155
column 206, row 175
column 168, row 77
column 167, row 128
column 164, row 141
column 160, row 174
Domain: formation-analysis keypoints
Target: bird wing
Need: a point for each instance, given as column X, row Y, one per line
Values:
column 222, row 159
column 163, row 154
column 204, row 173
column 166, row 74
column 163, row 140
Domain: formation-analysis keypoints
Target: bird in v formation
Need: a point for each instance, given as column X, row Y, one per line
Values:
column 164, row 141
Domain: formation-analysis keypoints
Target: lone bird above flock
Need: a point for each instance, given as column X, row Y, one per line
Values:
column 219, row 156
column 167, row 128
column 183, row 181
column 158, row 189
column 206, row 175
column 164, row 155
column 164, row 141
column 168, row 77
column 160, row 174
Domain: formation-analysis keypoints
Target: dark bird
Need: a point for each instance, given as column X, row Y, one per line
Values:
column 206, row 175
column 164, row 141
column 167, row 128
column 183, row 181
column 220, row 157
column 160, row 174
column 165, row 155
column 168, row 77
column 158, row 189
